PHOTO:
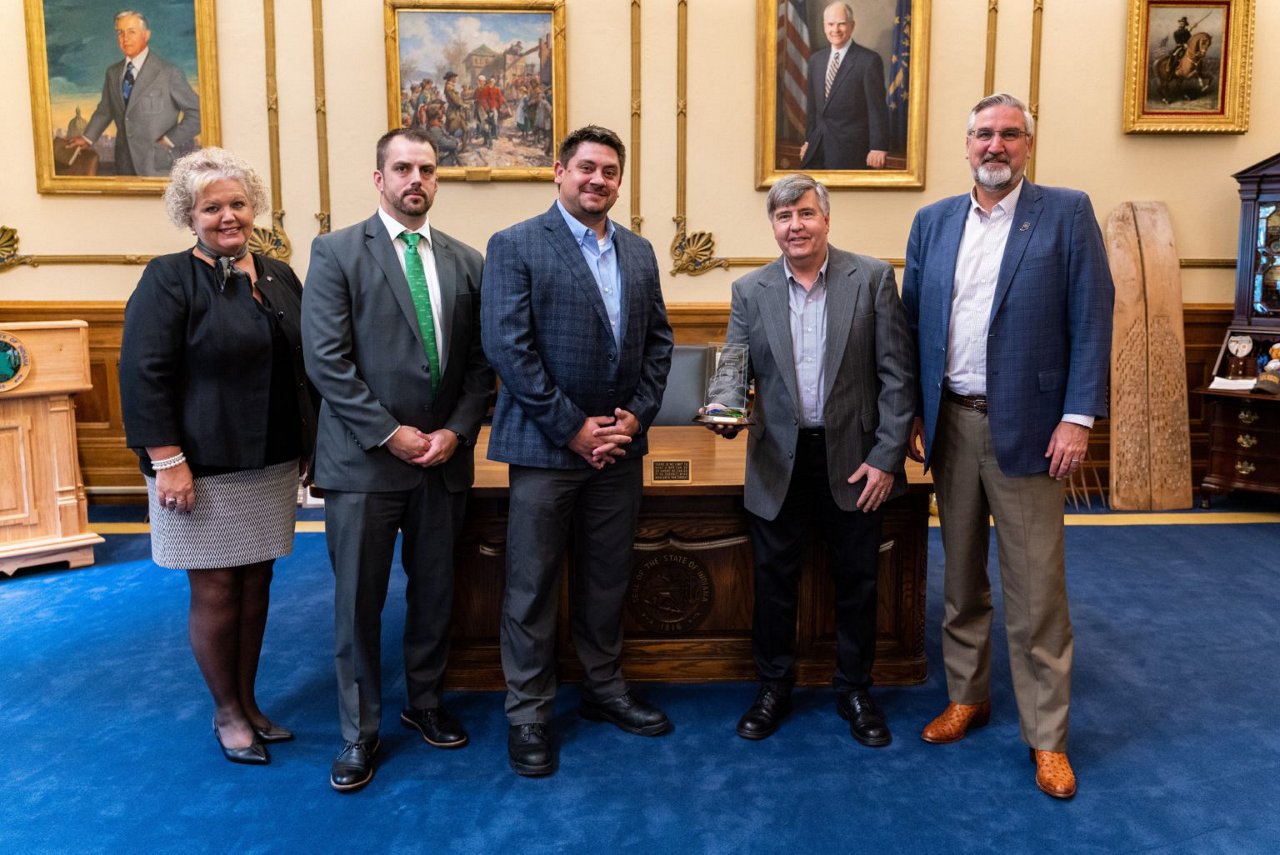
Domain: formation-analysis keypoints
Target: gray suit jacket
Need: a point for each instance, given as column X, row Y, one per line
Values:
column 162, row 104
column 869, row 378
column 365, row 355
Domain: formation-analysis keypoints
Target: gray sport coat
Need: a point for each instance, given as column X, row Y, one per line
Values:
column 869, row 378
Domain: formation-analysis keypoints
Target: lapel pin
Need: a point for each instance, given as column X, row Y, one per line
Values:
column 1024, row 227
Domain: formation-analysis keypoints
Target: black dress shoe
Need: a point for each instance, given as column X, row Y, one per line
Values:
column 437, row 726
column 353, row 768
column 529, row 750
column 273, row 733
column 771, row 706
column 253, row 754
column 627, row 712
column 866, row 722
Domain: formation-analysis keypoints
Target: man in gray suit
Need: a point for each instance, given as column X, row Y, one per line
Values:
column 390, row 326
column 149, row 100
column 833, row 364
column 575, row 326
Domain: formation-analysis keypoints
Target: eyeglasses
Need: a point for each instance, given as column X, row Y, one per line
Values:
column 1008, row 134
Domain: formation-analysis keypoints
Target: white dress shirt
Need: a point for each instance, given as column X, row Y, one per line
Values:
column 427, row 252
column 974, row 289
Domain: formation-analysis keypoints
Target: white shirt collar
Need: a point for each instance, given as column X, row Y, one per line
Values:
column 395, row 228
column 1007, row 205
column 138, row 60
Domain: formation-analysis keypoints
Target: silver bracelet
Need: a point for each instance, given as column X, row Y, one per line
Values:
column 169, row 462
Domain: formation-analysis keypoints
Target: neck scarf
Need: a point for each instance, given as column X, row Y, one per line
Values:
column 224, row 266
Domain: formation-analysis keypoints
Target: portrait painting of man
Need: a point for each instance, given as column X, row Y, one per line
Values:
column 117, row 90
column 485, row 85
column 843, row 85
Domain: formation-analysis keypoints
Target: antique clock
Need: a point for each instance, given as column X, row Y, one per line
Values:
column 1244, row 423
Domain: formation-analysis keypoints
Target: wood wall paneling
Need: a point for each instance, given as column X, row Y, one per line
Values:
column 110, row 470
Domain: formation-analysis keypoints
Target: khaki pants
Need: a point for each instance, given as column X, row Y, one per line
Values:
column 1029, row 540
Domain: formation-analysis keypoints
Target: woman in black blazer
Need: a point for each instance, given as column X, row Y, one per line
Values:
column 218, row 408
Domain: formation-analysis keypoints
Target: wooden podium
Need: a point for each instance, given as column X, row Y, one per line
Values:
column 43, row 513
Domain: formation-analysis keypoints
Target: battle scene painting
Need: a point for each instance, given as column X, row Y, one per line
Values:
column 486, row 85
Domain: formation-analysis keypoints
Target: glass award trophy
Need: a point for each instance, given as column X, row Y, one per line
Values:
column 727, row 392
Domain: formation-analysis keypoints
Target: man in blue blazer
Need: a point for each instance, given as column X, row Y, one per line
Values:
column 1008, row 291
column 574, row 324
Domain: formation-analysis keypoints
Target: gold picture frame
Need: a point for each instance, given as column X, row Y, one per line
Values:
column 72, row 40
column 1208, row 90
column 791, row 42
column 484, row 131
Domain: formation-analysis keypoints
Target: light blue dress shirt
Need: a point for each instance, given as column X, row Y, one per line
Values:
column 602, row 261
column 809, row 342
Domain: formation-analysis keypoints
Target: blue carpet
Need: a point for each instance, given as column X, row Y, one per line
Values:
column 107, row 744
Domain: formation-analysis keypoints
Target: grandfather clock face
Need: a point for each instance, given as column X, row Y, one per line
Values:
column 1265, row 302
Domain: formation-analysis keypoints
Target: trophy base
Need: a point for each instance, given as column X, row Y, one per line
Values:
column 713, row 419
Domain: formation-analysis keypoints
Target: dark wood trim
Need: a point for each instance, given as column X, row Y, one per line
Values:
column 110, row 468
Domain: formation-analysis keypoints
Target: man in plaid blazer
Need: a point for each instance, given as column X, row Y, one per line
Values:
column 574, row 324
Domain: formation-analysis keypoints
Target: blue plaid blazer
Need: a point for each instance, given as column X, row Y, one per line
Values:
column 547, row 334
column 1049, row 344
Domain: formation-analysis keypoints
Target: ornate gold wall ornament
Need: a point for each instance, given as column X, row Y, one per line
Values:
column 272, row 241
column 694, row 253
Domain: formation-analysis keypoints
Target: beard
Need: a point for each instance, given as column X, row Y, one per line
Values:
column 994, row 175
column 412, row 207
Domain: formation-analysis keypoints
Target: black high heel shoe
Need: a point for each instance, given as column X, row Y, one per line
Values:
column 273, row 733
column 253, row 754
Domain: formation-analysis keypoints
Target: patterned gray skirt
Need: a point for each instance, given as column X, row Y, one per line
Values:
column 239, row 518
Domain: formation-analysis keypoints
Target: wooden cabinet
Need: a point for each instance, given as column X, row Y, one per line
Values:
column 1244, row 443
column 43, row 514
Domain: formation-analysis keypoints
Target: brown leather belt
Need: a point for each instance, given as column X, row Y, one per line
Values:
column 977, row 403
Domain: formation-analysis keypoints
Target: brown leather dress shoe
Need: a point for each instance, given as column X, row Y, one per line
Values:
column 1053, row 773
column 956, row 720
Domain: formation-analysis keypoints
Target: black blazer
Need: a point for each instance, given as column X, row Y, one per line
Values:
column 195, row 363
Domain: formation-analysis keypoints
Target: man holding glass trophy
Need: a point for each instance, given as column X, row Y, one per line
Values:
column 823, row 335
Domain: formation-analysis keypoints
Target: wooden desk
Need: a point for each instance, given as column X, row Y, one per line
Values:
column 688, row 613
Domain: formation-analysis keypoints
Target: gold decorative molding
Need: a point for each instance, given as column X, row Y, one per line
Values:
column 690, row 253
column 989, row 74
column 324, row 215
column 10, row 258
column 1033, row 91
column 277, row 243
column 1207, row 263
column 636, row 220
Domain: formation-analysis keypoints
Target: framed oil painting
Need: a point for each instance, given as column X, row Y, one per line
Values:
column 486, row 80
column 118, row 94
column 1188, row 66
column 842, row 91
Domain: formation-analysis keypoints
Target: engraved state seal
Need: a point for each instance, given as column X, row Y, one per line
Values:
column 670, row 593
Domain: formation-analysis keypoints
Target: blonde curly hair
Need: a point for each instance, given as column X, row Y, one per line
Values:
column 194, row 172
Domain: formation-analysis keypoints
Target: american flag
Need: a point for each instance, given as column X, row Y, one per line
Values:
column 900, row 76
column 793, row 68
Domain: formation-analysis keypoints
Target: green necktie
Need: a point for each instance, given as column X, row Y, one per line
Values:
column 417, row 277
